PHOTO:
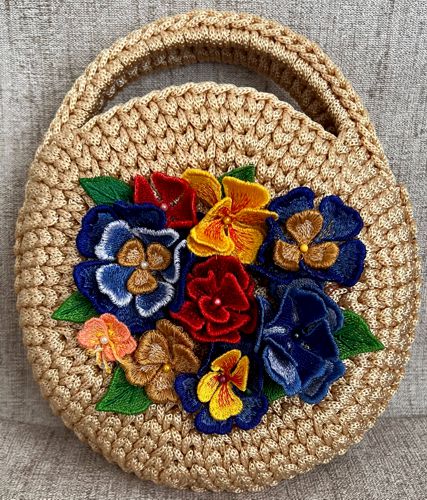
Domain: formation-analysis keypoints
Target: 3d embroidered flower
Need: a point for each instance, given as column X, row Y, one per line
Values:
column 172, row 194
column 220, row 303
column 106, row 338
column 160, row 355
column 235, row 225
column 319, row 243
column 296, row 343
column 226, row 391
column 138, row 268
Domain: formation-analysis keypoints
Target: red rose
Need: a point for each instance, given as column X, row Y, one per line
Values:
column 173, row 194
column 220, row 302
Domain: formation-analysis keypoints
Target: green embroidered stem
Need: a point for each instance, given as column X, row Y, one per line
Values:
column 76, row 308
column 355, row 337
column 123, row 397
column 106, row 190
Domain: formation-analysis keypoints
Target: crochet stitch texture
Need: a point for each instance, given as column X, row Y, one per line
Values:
column 214, row 127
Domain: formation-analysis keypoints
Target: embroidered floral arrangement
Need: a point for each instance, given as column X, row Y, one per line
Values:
column 204, row 292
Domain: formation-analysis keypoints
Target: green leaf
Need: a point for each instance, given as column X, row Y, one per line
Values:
column 246, row 173
column 355, row 337
column 76, row 308
column 123, row 397
column 272, row 389
column 106, row 190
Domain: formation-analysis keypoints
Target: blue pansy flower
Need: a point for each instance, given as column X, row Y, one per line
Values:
column 295, row 340
column 226, row 391
column 307, row 242
column 137, row 265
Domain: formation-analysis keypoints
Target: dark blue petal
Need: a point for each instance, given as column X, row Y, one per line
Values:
column 309, row 365
column 318, row 388
column 307, row 307
column 281, row 367
column 274, row 233
column 186, row 388
column 93, row 225
column 321, row 341
column 297, row 200
column 187, row 261
column 141, row 215
column 172, row 273
column 165, row 237
column 274, row 275
column 149, row 303
column 112, row 279
column 85, row 278
column 266, row 312
column 254, row 408
column 347, row 268
column 115, row 235
column 340, row 222
column 206, row 424
column 131, row 318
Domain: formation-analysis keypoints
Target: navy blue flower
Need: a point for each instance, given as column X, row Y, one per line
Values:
column 295, row 340
column 305, row 242
column 226, row 391
column 138, row 265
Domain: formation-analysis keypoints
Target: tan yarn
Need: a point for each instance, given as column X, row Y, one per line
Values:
column 217, row 127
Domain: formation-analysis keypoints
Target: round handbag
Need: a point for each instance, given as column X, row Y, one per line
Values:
column 216, row 291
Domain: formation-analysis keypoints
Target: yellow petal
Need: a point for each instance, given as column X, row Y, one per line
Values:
column 245, row 194
column 255, row 216
column 227, row 361
column 247, row 241
column 207, row 187
column 305, row 226
column 239, row 376
column 206, row 387
column 321, row 256
column 286, row 255
column 224, row 403
column 211, row 233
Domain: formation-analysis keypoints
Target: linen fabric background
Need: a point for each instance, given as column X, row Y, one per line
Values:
column 380, row 45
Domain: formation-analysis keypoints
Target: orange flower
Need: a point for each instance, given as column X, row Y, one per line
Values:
column 235, row 225
column 216, row 387
column 107, row 338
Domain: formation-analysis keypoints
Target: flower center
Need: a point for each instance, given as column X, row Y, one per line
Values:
column 218, row 301
column 164, row 206
column 222, row 379
column 166, row 368
column 303, row 248
column 103, row 340
column 227, row 220
column 143, row 264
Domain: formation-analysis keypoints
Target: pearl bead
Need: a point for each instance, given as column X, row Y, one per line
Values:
column 166, row 367
column 103, row 340
column 217, row 302
column 164, row 207
column 143, row 265
column 296, row 335
column 304, row 248
column 226, row 220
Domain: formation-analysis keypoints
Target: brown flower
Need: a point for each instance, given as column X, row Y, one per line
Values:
column 161, row 354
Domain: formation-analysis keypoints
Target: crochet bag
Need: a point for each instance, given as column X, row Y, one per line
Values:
column 216, row 291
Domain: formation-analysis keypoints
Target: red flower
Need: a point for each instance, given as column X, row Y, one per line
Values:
column 220, row 302
column 173, row 194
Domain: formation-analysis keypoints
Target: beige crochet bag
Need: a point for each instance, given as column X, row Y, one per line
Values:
column 331, row 147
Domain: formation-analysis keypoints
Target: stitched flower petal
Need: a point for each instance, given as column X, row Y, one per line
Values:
column 143, row 192
column 254, row 408
column 189, row 315
column 172, row 272
column 149, row 303
column 217, row 330
column 145, row 215
column 115, row 235
column 281, row 368
column 185, row 387
column 286, row 255
column 174, row 334
column 141, row 281
column 318, row 388
column 297, row 200
column 222, row 266
column 205, row 423
column 91, row 332
column 239, row 376
column 198, row 287
column 321, row 341
column 93, row 225
column 161, row 388
column 255, row 217
column 232, row 295
column 304, row 226
column 166, row 237
column 170, row 188
column 207, row 386
column 132, row 253
column 158, row 257
column 152, row 349
column 225, row 403
column 206, row 186
column 212, row 312
column 341, row 222
column 112, row 279
column 227, row 361
column 321, row 255
column 245, row 194
column 137, row 374
column 184, row 359
column 247, row 241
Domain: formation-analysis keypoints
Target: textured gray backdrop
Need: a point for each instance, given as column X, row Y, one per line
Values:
column 44, row 46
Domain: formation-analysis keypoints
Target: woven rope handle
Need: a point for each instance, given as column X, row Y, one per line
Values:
column 291, row 60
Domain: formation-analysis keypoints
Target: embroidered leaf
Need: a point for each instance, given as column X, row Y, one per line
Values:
column 355, row 337
column 106, row 190
column 272, row 389
column 123, row 397
column 76, row 308
column 246, row 173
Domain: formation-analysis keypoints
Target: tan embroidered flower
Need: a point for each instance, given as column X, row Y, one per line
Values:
column 155, row 257
column 304, row 227
column 161, row 354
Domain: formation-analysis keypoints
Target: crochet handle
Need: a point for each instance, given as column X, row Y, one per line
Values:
column 291, row 60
